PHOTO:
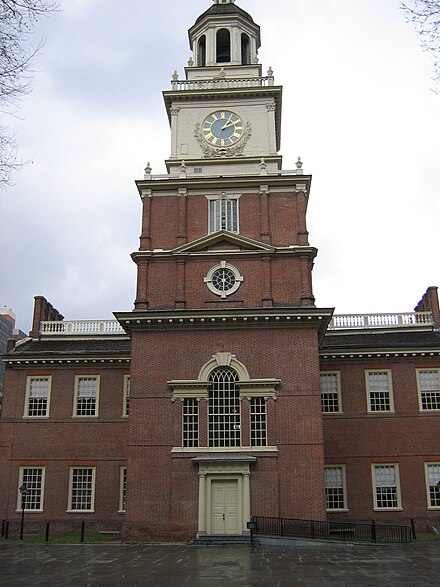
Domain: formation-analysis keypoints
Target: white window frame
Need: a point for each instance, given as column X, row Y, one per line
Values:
column 419, row 388
column 337, row 374
column 258, row 421
column 92, row 501
column 122, row 490
column 29, row 380
column 344, row 487
column 211, row 205
column 428, row 487
column 21, row 480
column 126, row 396
column 398, row 506
column 388, row 373
column 75, row 401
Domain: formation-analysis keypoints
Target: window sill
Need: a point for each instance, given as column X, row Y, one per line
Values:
column 29, row 511
column 80, row 511
column 337, row 511
column 204, row 449
column 388, row 509
column 36, row 417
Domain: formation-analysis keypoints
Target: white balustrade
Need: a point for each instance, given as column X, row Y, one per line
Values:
column 370, row 321
column 81, row 328
column 222, row 82
column 339, row 322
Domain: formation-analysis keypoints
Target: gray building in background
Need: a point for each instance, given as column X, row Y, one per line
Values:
column 7, row 330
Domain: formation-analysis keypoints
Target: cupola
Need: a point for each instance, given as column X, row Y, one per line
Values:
column 224, row 35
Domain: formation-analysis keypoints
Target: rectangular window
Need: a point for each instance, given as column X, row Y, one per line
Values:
column 432, row 471
column 223, row 215
column 429, row 389
column 123, row 489
column 386, row 487
column 33, row 479
column 331, row 393
column 335, row 487
column 126, row 401
column 86, row 396
column 258, row 421
column 379, row 391
column 82, row 489
column 190, row 416
column 37, row 397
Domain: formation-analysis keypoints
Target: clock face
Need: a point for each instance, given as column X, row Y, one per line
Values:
column 222, row 128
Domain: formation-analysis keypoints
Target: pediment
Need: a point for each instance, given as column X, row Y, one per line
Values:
column 223, row 240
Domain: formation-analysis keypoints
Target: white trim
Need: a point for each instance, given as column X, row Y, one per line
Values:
column 126, row 396
column 69, row 504
column 388, row 373
column 122, row 509
column 419, row 389
column 27, row 397
column 376, row 508
column 338, row 390
column 223, row 266
column 41, row 468
column 428, row 495
column 344, row 488
column 75, row 398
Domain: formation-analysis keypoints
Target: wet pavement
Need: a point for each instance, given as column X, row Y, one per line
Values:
column 297, row 565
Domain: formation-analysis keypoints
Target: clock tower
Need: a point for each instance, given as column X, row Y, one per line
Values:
column 225, row 412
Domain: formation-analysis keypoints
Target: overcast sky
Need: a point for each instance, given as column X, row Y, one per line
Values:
column 357, row 107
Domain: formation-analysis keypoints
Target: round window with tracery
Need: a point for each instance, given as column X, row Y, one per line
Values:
column 223, row 279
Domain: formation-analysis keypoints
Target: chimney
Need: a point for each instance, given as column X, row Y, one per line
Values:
column 430, row 303
column 43, row 311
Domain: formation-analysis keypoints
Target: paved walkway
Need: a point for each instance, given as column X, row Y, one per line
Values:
column 309, row 565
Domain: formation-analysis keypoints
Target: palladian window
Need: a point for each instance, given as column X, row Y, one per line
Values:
column 224, row 408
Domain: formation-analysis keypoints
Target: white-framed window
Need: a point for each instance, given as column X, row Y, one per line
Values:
column 33, row 478
column 386, row 487
column 122, row 489
column 82, row 489
column 190, row 422
column 126, row 397
column 223, row 214
column 223, row 279
column 258, row 421
column 335, row 487
column 224, row 409
column 379, row 391
column 37, row 403
column 428, row 382
column 331, row 402
column 432, row 474
column 86, row 395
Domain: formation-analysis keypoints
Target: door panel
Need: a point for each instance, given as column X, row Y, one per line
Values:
column 224, row 507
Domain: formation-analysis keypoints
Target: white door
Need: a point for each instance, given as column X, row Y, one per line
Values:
column 224, row 507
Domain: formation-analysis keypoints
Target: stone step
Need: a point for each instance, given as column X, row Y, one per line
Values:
column 223, row 539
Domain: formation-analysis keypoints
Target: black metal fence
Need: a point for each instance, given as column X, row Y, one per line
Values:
column 330, row 530
column 58, row 530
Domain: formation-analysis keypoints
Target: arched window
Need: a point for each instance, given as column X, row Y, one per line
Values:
column 223, row 46
column 224, row 409
column 201, row 51
column 245, row 49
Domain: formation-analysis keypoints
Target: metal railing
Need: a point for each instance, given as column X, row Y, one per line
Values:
column 330, row 530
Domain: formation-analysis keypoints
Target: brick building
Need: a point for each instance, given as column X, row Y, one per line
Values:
column 226, row 392
column 7, row 330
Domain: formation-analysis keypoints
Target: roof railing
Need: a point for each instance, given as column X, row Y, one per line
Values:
column 85, row 328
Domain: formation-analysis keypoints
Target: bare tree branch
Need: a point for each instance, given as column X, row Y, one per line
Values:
column 17, row 54
column 425, row 16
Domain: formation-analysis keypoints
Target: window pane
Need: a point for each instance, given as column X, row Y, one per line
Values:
column 379, row 392
column 38, row 394
column 86, row 396
column 223, row 215
column 224, row 409
column 33, row 479
column 127, row 396
column 429, row 390
column 190, row 422
column 334, row 488
column 258, row 421
column 434, row 485
column 82, row 489
column 386, row 488
column 329, row 393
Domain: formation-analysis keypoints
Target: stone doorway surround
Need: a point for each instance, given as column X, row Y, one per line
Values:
column 224, row 467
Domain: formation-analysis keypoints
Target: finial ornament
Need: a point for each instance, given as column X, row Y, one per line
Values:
column 299, row 166
column 190, row 62
column 147, row 171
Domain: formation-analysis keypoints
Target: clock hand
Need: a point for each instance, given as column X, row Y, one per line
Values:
column 228, row 123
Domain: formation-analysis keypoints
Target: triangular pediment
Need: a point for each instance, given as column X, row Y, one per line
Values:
column 223, row 240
